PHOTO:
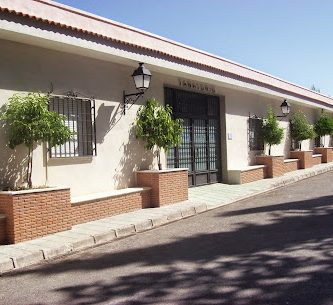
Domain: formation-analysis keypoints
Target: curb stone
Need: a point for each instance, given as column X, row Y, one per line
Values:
column 159, row 220
column 102, row 238
column 23, row 257
column 6, row 264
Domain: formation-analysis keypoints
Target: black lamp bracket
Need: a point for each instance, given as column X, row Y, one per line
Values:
column 130, row 99
column 282, row 116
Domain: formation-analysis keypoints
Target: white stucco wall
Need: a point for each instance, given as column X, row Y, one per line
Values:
column 27, row 68
column 32, row 68
column 239, row 105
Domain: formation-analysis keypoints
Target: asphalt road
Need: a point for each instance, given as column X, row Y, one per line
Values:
column 276, row 248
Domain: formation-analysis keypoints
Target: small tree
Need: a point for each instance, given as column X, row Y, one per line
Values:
column 154, row 125
column 324, row 126
column 272, row 133
column 300, row 129
column 314, row 88
column 29, row 122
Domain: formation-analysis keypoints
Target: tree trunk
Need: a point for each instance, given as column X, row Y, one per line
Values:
column 30, row 174
column 269, row 150
column 29, row 166
column 159, row 159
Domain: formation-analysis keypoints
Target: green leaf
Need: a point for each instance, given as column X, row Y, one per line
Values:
column 324, row 126
column 272, row 133
column 300, row 128
column 155, row 125
column 28, row 121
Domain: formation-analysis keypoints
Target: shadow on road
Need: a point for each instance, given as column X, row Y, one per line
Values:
column 288, row 260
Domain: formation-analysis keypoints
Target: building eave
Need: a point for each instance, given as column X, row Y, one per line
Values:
column 64, row 17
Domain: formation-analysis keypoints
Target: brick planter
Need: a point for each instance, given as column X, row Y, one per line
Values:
column 34, row 213
column 246, row 175
column 2, row 229
column 274, row 165
column 84, row 209
column 291, row 165
column 167, row 186
column 326, row 152
column 305, row 158
column 316, row 159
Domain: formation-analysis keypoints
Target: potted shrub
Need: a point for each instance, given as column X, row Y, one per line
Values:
column 155, row 125
column 271, row 132
column 272, row 135
column 301, row 130
column 324, row 127
column 28, row 122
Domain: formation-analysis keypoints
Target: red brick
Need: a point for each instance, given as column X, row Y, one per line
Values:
column 326, row 152
column 274, row 165
column 305, row 158
column 29, row 214
column 252, row 175
column 291, row 166
column 316, row 160
column 166, row 186
column 101, row 208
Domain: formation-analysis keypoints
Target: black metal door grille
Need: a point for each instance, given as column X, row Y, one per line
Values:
column 200, row 147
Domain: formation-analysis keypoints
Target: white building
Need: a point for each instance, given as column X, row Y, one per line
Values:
column 47, row 46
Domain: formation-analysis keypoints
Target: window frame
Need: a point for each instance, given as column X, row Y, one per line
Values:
column 85, row 126
column 255, row 137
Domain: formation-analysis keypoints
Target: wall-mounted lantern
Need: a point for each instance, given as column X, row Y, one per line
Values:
column 285, row 109
column 141, row 77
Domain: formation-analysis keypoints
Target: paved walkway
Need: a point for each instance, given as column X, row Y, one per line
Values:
column 106, row 230
column 275, row 248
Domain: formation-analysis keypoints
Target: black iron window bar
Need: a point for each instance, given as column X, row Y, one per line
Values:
column 255, row 138
column 80, row 113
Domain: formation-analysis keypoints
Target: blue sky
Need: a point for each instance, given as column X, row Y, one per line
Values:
column 291, row 39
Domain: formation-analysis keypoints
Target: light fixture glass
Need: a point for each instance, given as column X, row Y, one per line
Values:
column 141, row 77
column 285, row 107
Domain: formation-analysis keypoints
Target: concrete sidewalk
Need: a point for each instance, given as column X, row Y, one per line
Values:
column 97, row 232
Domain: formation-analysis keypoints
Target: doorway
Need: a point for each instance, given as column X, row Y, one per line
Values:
column 200, row 149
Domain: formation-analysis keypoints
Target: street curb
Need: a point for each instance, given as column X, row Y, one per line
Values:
column 96, row 233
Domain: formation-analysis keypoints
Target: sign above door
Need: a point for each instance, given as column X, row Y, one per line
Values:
column 194, row 85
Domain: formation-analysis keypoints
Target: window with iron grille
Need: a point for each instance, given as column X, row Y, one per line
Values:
column 80, row 119
column 256, row 141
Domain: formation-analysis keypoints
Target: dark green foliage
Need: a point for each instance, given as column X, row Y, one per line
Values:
column 300, row 129
column 314, row 88
column 324, row 126
column 154, row 125
column 272, row 133
column 28, row 121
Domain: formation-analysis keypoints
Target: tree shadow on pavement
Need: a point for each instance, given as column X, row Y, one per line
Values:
column 288, row 259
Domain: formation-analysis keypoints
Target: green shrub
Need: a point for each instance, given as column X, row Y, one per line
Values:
column 272, row 133
column 324, row 126
column 300, row 129
column 29, row 122
column 154, row 125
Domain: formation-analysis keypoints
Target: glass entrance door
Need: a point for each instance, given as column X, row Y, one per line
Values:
column 200, row 147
